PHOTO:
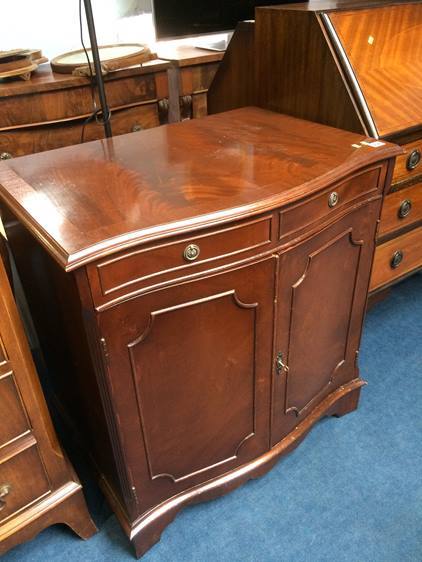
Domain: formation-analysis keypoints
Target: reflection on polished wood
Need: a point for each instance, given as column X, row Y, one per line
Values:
column 87, row 201
column 384, row 47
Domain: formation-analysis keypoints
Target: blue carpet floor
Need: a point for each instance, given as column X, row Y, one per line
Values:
column 351, row 492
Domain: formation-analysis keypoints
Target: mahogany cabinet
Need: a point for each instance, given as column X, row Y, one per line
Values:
column 198, row 291
column 50, row 110
column 38, row 486
column 352, row 64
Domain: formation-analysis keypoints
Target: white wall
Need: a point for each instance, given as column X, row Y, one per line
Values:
column 53, row 25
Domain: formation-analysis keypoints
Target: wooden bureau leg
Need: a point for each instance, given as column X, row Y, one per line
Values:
column 346, row 404
column 76, row 516
column 66, row 505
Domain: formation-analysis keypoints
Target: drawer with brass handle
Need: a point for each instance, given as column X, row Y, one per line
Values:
column 396, row 258
column 401, row 209
column 409, row 164
column 48, row 137
column 301, row 216
column 169, row 260
column 17, row 493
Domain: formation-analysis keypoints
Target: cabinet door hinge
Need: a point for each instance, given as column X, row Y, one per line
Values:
column 104, row 349
column 135, row 495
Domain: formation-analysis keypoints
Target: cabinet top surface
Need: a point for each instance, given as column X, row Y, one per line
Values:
column 187, row 55
column 86, row 201
column 337, row 5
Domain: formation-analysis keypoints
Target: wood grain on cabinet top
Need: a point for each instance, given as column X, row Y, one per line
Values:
column 90, row 200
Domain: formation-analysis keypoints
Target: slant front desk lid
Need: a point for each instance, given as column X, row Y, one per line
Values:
column 378, row 46
column 90, row 200
column 384, row 47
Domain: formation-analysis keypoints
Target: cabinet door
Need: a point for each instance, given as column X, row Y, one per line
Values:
column 190, row 370
column 322, row 291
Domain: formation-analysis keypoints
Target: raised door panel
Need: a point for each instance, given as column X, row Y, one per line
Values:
column 323, row 285
column 190, row 369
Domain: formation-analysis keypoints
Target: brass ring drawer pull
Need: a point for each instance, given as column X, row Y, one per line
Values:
column 136, row 128
column 5, row 490
column 333, row 199
column 405, row 208
column 413, row 159
column 396, row 259
column 5, row 156
column 191, row 252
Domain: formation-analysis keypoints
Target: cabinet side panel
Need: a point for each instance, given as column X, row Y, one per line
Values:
column 296, row 71
column 233, row 84
column 70, row 381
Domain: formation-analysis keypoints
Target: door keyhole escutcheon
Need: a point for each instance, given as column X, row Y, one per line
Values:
column 280, row 365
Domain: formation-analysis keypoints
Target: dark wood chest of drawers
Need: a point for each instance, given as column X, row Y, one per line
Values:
column 49, row 111
column 199, row 291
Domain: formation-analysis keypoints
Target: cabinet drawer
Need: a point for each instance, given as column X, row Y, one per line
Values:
column 396, row 258
column 196, row 79
column 150, row 266
column 22, row 481
column 14, row 421
column 409, row 165
column 302, row 215
column 37, row 139
column 75, row 101
column 401, row 208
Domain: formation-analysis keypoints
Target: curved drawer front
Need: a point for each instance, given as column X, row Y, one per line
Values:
column 23, row 481
column 48, row 137
column 409, row 165
column 297, row 218
column 397, row 258
column 401, row 209
column 72, row 102
column 151, row 266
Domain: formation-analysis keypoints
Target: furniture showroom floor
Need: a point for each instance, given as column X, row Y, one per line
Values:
column 352, row 491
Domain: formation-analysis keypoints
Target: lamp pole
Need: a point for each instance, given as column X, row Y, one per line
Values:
column 97, row 65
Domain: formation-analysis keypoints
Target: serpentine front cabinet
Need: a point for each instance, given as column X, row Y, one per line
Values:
column 199, row 291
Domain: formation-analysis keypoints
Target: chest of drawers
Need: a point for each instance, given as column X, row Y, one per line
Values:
column 38, row 486
column 198, row 291
column 50, row 110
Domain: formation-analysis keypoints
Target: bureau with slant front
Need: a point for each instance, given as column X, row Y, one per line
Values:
column 199, row 292
column 351, row 64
